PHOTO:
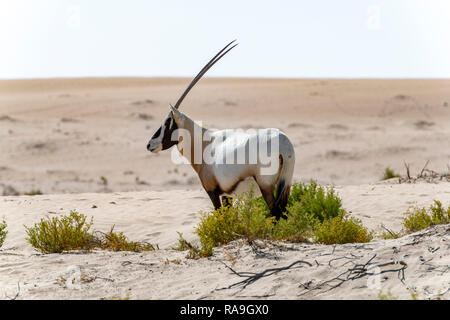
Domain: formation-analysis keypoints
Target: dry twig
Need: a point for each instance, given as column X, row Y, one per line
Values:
column 252, row 277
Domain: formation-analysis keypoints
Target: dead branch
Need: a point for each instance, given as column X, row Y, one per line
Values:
column 359, row 271
column 252, row 277
column 424, row 167
column 407, row 170
column 17, row 294
column 390, row 232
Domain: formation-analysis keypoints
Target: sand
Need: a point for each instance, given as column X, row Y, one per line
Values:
column 82, row 144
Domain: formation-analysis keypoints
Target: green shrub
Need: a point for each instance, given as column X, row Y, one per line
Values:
column 119, row 242
column 297, row 226
column 389, row 174
column 390, row 235
column 416, row 219
column 194, row 251
column 315, row 200
column 3, row 232
column 438, row 213
column 55, row 235
column 420, row 218
column 33, row 192
column 386, row 296
column 308, row 207
column 342, row 229
column 247, row 218
column 183, row 244
column 72, row 232
column 313, row 213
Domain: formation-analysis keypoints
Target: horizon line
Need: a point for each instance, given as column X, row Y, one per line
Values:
column 223, row 77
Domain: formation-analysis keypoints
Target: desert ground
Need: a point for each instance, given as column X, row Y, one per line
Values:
column 80, row 144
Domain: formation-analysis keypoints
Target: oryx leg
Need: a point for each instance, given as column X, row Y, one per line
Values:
column 268, row 196
column 215, row 198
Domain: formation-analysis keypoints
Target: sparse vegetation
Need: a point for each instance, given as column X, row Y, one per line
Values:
column 3, row 232
column 55, row 235
column 127, row 297
column 342, row 229
column 183, row 244
column 389, row 234
column 389, row 174
column 72, row 232
column 247, row 219
column 420, row 218
column 386, row 296
column 33, row 192
column 416, row 219
column 313, row 214
column 194, row 251
column 141, row 182
column 103, row 181
column 119, row 242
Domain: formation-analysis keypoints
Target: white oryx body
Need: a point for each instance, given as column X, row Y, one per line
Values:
column 225, row 160
column 235, row 166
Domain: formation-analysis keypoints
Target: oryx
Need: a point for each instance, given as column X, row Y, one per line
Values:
column 209, row 154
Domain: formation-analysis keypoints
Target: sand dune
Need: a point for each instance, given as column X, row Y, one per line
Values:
column 167, row 274
column 81, row 144
column 51, row 129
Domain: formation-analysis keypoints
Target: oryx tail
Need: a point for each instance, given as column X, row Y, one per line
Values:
column 284, row 184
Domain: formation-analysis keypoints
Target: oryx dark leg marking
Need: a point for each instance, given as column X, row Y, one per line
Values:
column 215, row 198
column 268, row 197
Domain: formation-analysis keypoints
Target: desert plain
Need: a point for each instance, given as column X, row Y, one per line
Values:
column 80, row 144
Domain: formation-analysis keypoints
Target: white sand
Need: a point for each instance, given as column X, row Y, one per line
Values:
column 156, row 216
column 62, row 136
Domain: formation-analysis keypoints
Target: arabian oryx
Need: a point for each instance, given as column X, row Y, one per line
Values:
column 265, row 156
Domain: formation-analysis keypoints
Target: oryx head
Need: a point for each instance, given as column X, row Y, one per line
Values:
column 166, row 136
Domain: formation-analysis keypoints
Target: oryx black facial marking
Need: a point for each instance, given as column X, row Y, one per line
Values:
column 169, row 127
column 163, row 138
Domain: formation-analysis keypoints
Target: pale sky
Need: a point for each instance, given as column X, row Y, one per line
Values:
column 301, row 39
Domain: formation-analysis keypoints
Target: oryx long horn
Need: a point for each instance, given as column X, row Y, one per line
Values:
column 216, row 58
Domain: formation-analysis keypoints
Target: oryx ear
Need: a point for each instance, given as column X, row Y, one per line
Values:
column 177, row 115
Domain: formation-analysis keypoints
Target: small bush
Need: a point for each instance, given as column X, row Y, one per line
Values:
column 308, row 207
column 390, row 235
column 119, row 242
column 389, row 174
column 416, row 219
column 72, row 232
column 438, row 213
column 315, row 200
column 183, row 244
column 342, row 229
column 3, row 232
column 313, row 213
column 386, row 296
column 297, row 226
column 33, row 192
column 55, row 235
column 194, row 251
column 420, row 218
column 247, row 218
